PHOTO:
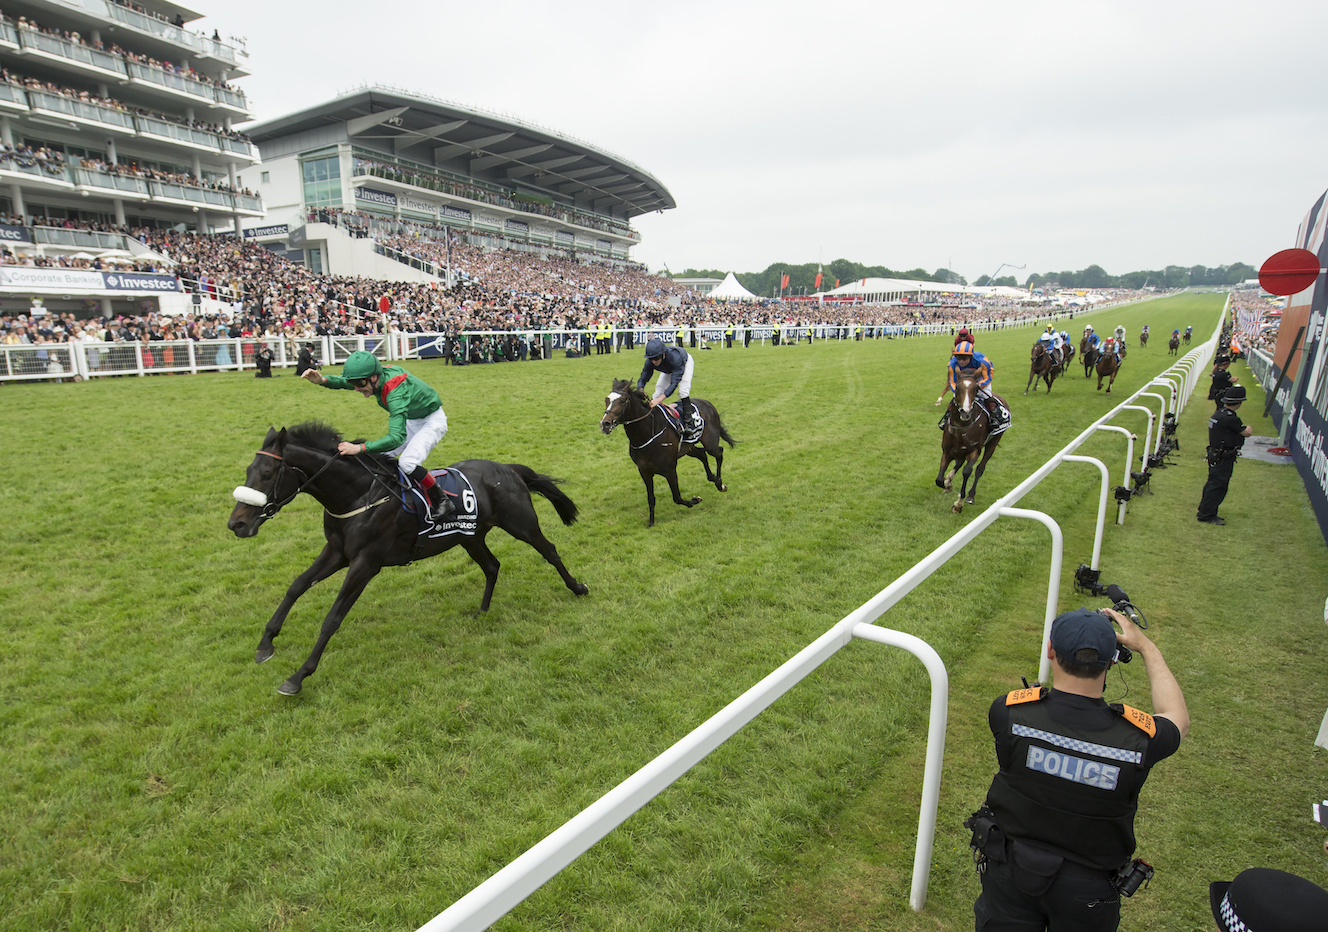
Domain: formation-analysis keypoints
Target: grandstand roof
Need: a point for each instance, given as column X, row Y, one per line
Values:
column 487, row 146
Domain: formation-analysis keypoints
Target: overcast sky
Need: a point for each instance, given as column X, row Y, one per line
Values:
column 964, row 134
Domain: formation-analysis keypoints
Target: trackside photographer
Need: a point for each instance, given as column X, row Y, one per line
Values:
column 1054, row 841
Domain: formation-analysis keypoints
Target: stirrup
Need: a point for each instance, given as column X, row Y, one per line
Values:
column 443, row 509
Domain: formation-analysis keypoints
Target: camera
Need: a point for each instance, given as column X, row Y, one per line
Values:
column 1089, row 580
column 1129, row 877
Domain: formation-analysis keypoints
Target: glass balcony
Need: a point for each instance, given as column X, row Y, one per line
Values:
column 175, row 82
column 83, row 239
column 202, row 197
column 72, row 51
column 231, row 98
column 111, row 183
column 178, row 132
column 12, row 97
column 245, row 202
column 170, row 33
column 237, row 147
column 80, row 110
column 8, row 36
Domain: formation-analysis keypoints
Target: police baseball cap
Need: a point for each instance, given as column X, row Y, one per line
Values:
column 1234, row 395
column 1083, row 628
column 1263, row 898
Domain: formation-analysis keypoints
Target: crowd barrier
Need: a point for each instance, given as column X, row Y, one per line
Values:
column 59, row 362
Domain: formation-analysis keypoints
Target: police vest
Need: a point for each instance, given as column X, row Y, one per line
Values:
column 1073, row 792
column 1225, row 429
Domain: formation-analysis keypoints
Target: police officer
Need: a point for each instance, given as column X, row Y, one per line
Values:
column 1222, row 380
column 1058, row 824
column 1226, row 435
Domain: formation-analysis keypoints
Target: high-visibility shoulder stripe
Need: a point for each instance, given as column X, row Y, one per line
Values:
column 1020, row 696
column 1141, row 720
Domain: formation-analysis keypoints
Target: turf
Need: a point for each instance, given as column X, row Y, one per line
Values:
column 154, row 779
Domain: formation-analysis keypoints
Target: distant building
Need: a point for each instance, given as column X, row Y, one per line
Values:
column 699, row 285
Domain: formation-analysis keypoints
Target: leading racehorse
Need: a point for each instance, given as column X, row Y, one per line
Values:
column 964, row 437
column 655, row 446
column 1107, row 366
column 1173, row 346
column 366, row 527
column 1041, row 366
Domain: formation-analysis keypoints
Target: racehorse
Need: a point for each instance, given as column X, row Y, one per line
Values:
column 365, row 537
column 1107, row 365
column 1143, row 338
column 965, row 436
column 1173, row 346
column 1187, row 336
column 655, row 446
column 1041, row 366
column 1089, row 355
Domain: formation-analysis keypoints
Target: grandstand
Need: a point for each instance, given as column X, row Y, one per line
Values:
column 113, row 116
column 485, row 179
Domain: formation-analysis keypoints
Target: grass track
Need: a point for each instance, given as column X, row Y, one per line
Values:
column 157, row 781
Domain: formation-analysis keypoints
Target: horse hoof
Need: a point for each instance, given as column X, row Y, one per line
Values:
column 940, row 484
column 580, row 589
column 289, row 688
column 957, row 507
column 723, row 488
column 264, row 654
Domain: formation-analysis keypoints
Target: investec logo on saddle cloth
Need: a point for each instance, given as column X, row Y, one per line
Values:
column 455, row 486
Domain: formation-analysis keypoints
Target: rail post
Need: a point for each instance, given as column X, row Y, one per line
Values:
column 1101, row 501
column 1054, row 582
column 1129, row 461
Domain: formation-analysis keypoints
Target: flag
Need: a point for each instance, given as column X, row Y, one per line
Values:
column 783, row 282
column 817, row 286
column 836, row 283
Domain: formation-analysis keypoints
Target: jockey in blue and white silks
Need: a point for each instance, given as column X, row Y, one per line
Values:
column 1120, row 343
column 1051, row 342
column 1094, row 341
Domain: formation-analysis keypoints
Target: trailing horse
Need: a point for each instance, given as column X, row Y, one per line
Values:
column 1088, row 355
column 366, row 527
column 965, row 436
column 655, row 444
column 1143, row 338
column 1173, row 346
column 1107, row 366
column 1041, row 366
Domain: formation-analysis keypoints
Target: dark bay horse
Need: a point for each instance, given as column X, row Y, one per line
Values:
column 1088, row 354
column 1042, row 366
column 1143, row 338
column 1107, row 366
column 655, row 447
column 366, row 527
column 965, row 436
column 1173, row 346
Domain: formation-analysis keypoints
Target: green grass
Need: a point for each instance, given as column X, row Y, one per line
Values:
column 154, row 779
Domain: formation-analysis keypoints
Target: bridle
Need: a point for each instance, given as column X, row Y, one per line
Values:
column 271, row 507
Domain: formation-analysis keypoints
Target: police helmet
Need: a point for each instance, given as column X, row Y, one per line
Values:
column 361, row 365
column 1234, row 395
column 654, row 348
column 965, row 348
column 1221, row 359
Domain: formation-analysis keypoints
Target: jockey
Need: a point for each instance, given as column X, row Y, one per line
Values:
column 415, row 418
column 1120, row 343
column 1094, row 341
column 965, row 362
column 963, row 336
column 675, row 372
column 1050, row 341
column 1176, row 332
column 1189, row 331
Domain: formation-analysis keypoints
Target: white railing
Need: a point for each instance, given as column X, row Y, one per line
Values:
column 507, row 888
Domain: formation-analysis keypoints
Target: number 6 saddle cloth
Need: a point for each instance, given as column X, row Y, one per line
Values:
column 456, row 487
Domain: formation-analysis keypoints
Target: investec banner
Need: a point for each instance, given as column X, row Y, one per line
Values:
column 9, row 233
column 454, row 213
column 277, row 229
column 1308, row 437
column 420, row 207
column 374, row 196
column 85, row 280
column 518, row 226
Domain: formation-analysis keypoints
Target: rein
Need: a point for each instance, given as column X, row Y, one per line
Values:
column 271, row 508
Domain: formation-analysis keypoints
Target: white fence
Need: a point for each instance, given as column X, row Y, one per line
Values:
column 503, row 891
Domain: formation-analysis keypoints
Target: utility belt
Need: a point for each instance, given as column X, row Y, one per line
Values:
column 1035, row 869
column 1219, row 455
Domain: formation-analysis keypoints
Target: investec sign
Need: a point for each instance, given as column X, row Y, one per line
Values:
column 85, row 280
column 374, row 196
column 277, row 229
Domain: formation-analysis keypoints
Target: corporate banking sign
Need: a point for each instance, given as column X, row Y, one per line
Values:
column 84, row 281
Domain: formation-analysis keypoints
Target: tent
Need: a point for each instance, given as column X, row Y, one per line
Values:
column 730, row 288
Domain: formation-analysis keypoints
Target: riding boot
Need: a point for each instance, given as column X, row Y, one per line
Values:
column 687, row 414
column 443, row 506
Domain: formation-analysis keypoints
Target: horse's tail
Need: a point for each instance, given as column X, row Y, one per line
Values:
column 548, row 487
column 723, row 431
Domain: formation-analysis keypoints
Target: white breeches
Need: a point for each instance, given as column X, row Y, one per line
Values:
column 662, row 384
column 422, row 435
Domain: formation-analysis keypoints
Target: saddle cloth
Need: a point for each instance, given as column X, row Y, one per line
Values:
column 455, row 486
column 690, row 432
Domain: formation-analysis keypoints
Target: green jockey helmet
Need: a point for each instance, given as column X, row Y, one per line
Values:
column 361, row 365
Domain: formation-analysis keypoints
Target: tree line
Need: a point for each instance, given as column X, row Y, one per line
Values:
column 802, row 278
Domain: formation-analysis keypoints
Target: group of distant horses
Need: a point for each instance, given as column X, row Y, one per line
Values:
column 1101, row 358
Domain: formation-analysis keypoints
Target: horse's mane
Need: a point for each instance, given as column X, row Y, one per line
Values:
column 625, row 386
column 315, row 435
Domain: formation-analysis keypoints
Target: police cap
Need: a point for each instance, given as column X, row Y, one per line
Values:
column 1234, row 395
column 1263, row 898
column 1083, row 628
